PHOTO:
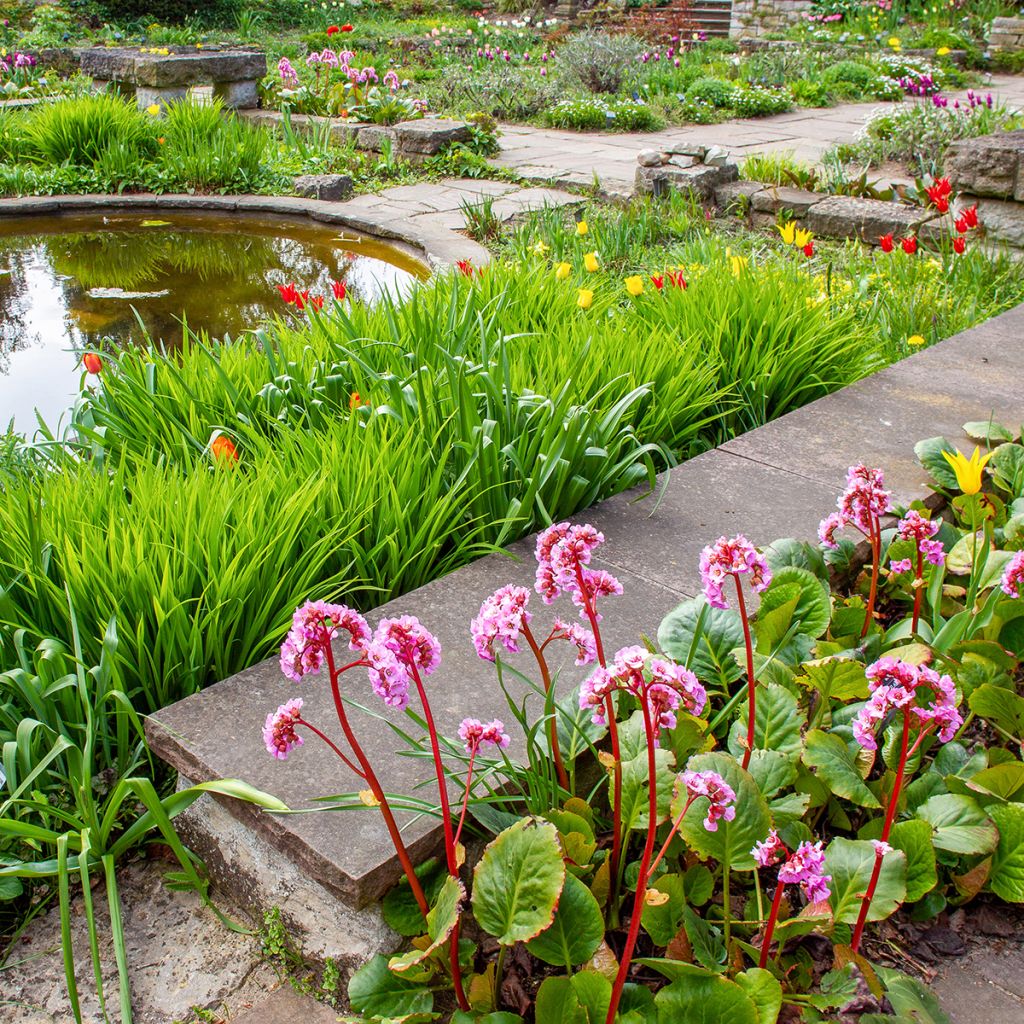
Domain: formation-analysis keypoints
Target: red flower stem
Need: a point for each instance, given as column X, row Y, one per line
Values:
column 316, row 732
column 751, row 682
column 465, row 796
column 875, row 537
column 645, row 862
column 770, row 928
column 670, row 837
column 545, row 674
column 918, row 588
column 449, row 838
column 890, row 816
column 613, row 735
column 376, row 789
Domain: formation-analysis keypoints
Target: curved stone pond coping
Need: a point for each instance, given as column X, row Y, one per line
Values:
column 435, row 245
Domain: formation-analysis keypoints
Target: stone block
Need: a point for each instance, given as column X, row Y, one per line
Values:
column 238, row 95
column 372, row 137
column 324, row 186
column 145, row 96
column 692, row 149
column 428, row 136
column 699, row 179
column 866, row 219
column 650, row 158
column 1002, row 221
column 727, row 196
column 773, row 198
column 992, row 165
column 194, row 68
column 682, row 161
column 716, row 156
column 108, row 65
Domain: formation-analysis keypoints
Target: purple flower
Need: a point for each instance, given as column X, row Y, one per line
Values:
column 860, row 505
column 913, row 526
column 475, row 734
column 722, row 799
column 732, row 557
column 411, row 643
column 770, row 850
column 389, row 678
column 881, row 849
column 313, row 628
column 289, row 76
column 279, row 730
column 901, row 565
column 502, row 617
column 806, row 868
column 1013, row 575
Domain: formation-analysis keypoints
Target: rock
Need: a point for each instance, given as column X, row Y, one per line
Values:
column 773, row 198
column 194, row 69
column 1001, row 221
column 687, row 149
column 428, row 136
column 727, row 196
column 682, row 161
column 992, row 165
column 700, row 180
column 716, row 156
column 649, row 158
column 866, row 219
column 373, row 136
column 323, row 186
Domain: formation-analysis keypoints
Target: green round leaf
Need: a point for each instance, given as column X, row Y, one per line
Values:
column 836, row 765
column 959, row 824
column 662, row 921
column 814, row 607
column 517, row 882
column 441, row 922
column 777, row 722
column 576, row 931
column 705, row 1000
column 850, row 863
column 764, row 991
column 400, row 909
column 1006, row 878
column 378, row 992
column 703, row 638
column 914, row 838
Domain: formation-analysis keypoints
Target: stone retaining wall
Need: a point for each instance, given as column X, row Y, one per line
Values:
column 1006, row 34
column 989, row 172
column 766, row 17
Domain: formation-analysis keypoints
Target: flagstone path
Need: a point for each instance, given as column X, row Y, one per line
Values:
column 575, row 158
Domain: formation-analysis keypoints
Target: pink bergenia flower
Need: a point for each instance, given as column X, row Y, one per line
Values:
column 580, row 637
column 411, row 643
column 913, row 526
column 313, row 628
column 1013, row 575
column 806, row 868
column 476, row 734
column 720, row 794
column 901, row 565
column 563, row 555
column 389, row 677
column 861, row 504
column 279, row 730
column 731, row 557
column 593, row 691
column 881, row 849
column 502, row 617
column 770, row 851
column 289, row 76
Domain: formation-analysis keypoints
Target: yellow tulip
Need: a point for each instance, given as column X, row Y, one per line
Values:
column 915, row 340
column 943, row 51
column 635, row 285
column 562, row 271
column 894, row 42
column 585, row 298
column 968, row 470
column 540, row 249
column 738, row 264
column 788, row 231
column 590, row 261
column 153, row 109
column 803, row 236
column 581, row 227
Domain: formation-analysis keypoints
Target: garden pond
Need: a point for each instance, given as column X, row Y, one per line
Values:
column 74, row 282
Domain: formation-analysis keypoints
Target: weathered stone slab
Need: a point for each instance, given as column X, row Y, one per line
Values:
column 324, row 186
column 429, row 135
column 699, row 179
column 866, row 219
column 773, row 198
column 109, row 65
column 992, row 165
column 373, row 137
column 286, row 1006
column 1001, row 222
column 190, row 69
column 728, row 196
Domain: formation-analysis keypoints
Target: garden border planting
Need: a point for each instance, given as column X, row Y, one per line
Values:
column 776, row 480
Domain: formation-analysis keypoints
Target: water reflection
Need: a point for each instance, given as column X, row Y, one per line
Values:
column 81, row 281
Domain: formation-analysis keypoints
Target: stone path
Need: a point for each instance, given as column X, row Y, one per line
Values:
column 540, row 154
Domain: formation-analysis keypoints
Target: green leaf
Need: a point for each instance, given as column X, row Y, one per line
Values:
column 959, row 824
column 581, row 999
column 913, row 1002
column 636, row 792
column 698, row 885
column 777, row 723
column 850, row 863
column 787, row 551
column 706, row 940
column 771, row 770
column 914, row 838
column 1004, row 781
column 814, row 606
column 1000, row 706
column 703, row 638
column 378, row 992
column 837, row 678
column 441, row 922
column 705, row 1000
column 1006, row 879
column 1007, row 468
column 576, row 931
column 663, row 921
column 836, row 765
column 987, row 431
column 764, row 991
column 501, row 1017
column 929, row 454
column 738, row 837
column 517, row 881
column 400, row 909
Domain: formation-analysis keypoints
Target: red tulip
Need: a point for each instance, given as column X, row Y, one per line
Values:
column 959, row 245
column 658, row 280
column 809, row 250
column 301, row 299
column 970, row 216
column 886, row 243
column 346, row 28
column 465, row 268
column 677, row 279
column 909, row 245
column 288, row 293
column 223, row 449
column 961, row 225
column 331, row 29
column 339, row 289
column 317, row 302
column 92, row 363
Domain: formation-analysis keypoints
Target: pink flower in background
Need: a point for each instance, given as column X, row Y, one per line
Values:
column 279, row 731
column 913, row 526
column 901, row 565
column 806, row 868
column 1013, row 575
column 563, row 553
column 722, row 799
column 289, row 76
column 476, row 734
column 313, row 628
column 770, row 850
column 410, row 642
column 580, row 636
column 501, row 619
column 731, row 557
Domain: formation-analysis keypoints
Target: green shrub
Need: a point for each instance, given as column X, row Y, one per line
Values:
column 213, row 12
column 850, row 73
column 591, row 113
column 711, row 90
column 755, row 101
column 600, row 62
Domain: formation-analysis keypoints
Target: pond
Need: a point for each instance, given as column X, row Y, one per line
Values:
column 73, row 282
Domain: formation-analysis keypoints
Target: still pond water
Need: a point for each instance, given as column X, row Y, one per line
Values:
column 75, row 282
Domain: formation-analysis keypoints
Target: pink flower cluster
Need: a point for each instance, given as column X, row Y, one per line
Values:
column 400, row 648
column 289, row 76
column 476, row 734
column 502, row 617
column 668, row 688
column 313, row 628
column 731, row 557
column 1013, row 575
column 913, row 526
column 279, row 730
column 580, row 637
column 917, row 690
column 861, row 504
column 563, row 555
column 722, row 799
column 805, row 867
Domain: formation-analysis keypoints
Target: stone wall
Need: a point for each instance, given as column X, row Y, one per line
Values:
column 989, row 172
column 1006, row 34
column 765, row 17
